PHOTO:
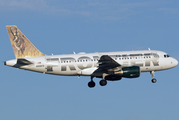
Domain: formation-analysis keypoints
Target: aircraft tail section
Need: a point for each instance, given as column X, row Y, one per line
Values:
column 21, row 45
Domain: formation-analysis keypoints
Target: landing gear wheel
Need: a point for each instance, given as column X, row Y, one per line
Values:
column 154, row 80
column 103, row 82
column 91, row 84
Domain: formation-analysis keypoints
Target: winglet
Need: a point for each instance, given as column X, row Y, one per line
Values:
column 21, row 45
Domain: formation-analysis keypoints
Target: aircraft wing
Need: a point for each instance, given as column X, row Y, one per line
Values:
column 105, row 63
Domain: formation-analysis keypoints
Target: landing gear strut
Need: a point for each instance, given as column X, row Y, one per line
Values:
column 103, row 82
column 91, row 84
column 153, row 79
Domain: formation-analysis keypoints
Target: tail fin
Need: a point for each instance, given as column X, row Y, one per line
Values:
column 21, row 45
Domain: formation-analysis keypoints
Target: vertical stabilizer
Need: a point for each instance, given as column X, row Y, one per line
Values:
column 21, row 45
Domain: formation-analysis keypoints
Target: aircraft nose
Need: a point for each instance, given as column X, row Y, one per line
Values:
column 174, row 62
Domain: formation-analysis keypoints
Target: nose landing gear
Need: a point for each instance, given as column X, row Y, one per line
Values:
column 153, row 79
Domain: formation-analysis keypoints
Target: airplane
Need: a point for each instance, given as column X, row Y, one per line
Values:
column 109, row 66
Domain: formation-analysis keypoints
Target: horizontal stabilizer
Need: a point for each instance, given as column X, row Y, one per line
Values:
column 23, row 62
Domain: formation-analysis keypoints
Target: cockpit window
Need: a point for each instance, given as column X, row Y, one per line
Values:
column 166, row 56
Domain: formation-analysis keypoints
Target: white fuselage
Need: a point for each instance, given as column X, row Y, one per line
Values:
column 83, row 64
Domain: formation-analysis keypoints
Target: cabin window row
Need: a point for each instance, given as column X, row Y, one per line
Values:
column 121, row 58
column 137, row 55
column 79, row 61
column 131, row 58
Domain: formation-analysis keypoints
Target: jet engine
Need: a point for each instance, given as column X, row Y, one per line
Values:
column 131, row 72
column 127, row 72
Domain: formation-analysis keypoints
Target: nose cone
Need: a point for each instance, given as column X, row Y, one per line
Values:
column 175, row 62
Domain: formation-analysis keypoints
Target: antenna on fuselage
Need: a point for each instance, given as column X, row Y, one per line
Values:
column 74, row 52
column 149, row 48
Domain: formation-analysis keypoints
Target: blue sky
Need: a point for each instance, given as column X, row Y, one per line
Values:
column 61, row 27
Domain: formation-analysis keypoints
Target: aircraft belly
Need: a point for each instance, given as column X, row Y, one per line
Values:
column 87, row 71
column 69, row 73
column 33, row 68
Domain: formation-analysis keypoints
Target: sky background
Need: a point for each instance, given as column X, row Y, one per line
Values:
column 61, row 27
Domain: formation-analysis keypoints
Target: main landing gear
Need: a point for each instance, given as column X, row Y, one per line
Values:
column 92, row 84
column 153, row 79
column 103, row 82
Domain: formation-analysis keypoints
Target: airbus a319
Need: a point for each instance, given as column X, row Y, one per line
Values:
column 109, row 66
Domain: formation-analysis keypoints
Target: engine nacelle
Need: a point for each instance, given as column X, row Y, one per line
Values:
column 131, row 72
column 127, row 72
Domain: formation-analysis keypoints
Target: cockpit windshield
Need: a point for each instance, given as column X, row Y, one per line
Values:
column 166, row 56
